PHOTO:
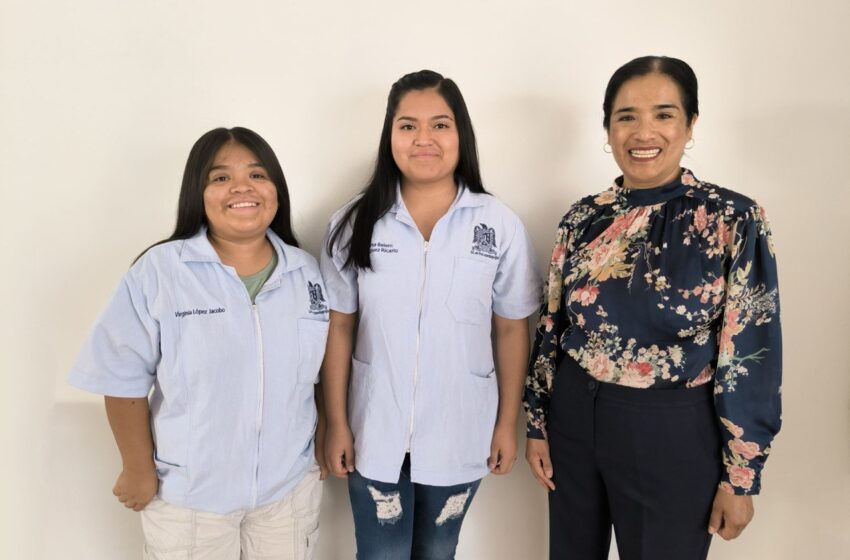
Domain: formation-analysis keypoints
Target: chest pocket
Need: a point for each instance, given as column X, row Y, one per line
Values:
column 471, row 293
column 312, row 335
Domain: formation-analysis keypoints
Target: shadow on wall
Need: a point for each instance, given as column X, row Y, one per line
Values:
column 84, row 520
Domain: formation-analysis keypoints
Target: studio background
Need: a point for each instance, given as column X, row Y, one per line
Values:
column 100, row 102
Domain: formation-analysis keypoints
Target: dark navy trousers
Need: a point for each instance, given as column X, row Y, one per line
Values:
column 645, row 462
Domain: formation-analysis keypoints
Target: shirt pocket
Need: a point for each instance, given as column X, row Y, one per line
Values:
column 471, row 292
column 312, row 336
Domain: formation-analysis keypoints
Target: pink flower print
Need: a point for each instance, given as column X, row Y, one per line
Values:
column 601, row 254
column 639, row 221
column 688, row 180
column 726, row 487
column 638, row 375
column 724, row 233
column 729, row 330
column 558, row 253
column 700, row 219
column 704, row 377
column 747, row 449
column 606, row 197
column 617, row 227
column 586, row 295
column 742, row 477
column 718, row 287
column 601, row 367
column 734, row 429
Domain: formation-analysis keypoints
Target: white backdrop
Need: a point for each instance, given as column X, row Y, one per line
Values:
column 100, row 102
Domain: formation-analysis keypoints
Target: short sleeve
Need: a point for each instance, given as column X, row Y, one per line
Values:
column 121, row 355
column 516, row 287
column 341, row 282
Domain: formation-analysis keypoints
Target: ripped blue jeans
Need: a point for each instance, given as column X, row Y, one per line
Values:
column 407, row 520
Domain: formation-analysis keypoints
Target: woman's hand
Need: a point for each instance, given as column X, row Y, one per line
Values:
column 502, row 449
column 129, row 419
column 537, row 455
column 339, row 449
column 730, row 514
column 135, row 488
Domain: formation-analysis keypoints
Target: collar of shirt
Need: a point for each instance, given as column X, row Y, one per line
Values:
column 199, row 249
column 654, row 195
column 464, row 199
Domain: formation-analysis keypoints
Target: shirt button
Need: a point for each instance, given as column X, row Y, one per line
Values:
column 591, row 385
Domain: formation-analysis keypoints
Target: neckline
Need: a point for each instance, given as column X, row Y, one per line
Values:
column 653, row 195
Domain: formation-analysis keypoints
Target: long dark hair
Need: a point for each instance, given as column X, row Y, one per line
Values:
column 190, row 206
column 380, row 192
column 677, row 70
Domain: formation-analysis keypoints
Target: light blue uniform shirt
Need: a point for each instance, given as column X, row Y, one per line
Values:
column 232, row 409
column 422, row 376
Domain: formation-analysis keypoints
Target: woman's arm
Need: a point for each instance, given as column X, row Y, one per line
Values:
column 546, row 355
column 748, row 380
column 129, row 419
column 339, row 442
column 511, row 345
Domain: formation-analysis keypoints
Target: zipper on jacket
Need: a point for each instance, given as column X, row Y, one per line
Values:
column 259, row 334
column 418, row 337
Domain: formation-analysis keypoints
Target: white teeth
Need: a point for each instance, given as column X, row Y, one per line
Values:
column 244, row 205
column 645, row 153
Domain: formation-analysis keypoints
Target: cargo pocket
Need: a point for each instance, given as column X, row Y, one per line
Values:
column 312, row 335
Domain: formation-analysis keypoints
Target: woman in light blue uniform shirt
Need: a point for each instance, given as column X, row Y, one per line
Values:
column 223, row 325
column 423, row 264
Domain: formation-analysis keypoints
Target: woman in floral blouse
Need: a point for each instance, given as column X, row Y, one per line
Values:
column 654, row 386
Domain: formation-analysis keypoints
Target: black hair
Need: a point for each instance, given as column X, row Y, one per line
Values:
column 677, row 70
column 380, row 192
column 190, row 206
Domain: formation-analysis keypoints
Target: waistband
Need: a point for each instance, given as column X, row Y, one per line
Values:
column 579, row 379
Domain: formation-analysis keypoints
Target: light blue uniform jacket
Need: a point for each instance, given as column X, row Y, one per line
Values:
column 422, row 376
column 232, row 409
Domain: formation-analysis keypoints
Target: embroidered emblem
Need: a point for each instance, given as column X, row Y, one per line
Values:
column 317, row 299
column 484, row 242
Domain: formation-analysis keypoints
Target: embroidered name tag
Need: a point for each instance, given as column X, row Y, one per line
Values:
column 382, row 248
column 196, row 311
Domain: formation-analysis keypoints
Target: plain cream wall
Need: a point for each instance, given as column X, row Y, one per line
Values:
column 100, row 102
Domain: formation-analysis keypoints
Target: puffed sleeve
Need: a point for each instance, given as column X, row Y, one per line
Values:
column 340, row 282
column 749, row 365
column 546, row 354
column 121, row 354
column 516, row 287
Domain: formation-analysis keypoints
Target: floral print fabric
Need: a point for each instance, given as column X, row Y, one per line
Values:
column 669, row 288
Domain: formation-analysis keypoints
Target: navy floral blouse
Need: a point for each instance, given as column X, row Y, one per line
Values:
column 669, row 288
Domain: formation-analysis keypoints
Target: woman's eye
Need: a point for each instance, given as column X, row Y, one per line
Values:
column 219, row 179
column 664, row 116
column 624, row 118
column 441, row 125
column 258, row 176
column 406, row 127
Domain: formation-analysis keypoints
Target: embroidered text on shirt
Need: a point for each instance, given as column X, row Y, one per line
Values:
column 210, row 311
